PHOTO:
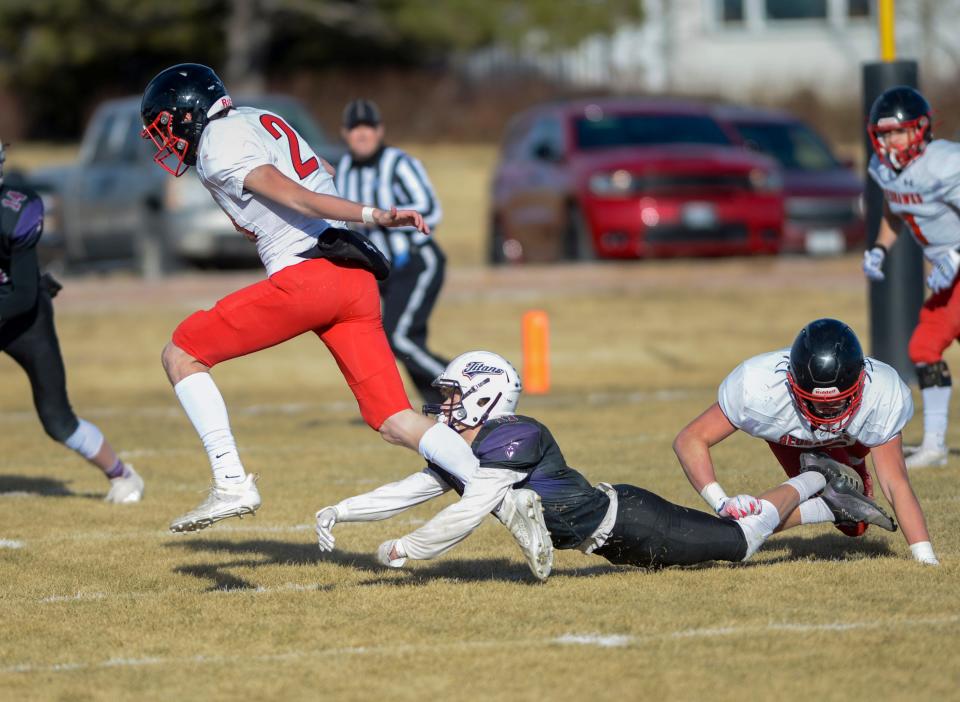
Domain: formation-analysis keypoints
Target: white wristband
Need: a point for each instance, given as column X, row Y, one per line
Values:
column 713, row 495
column 923, row 551
column 367, row 215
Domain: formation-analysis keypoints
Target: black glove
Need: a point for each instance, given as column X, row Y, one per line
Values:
column 50, row 284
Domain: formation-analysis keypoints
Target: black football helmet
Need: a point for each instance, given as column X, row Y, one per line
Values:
column 900, row 108
column 176, row 107
column 826, row 374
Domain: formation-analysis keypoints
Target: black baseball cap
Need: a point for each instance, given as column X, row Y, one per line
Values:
column 361, row 112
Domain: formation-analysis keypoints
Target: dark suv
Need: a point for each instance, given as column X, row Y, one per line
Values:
column 822, row 194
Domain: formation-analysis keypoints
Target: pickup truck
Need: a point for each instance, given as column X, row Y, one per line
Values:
column 115, row 207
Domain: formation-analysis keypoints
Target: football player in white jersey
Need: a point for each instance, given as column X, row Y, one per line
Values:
column 321, row 278
column 920, row 179
column 819, row 395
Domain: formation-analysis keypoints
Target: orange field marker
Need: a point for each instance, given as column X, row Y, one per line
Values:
column 536, row 352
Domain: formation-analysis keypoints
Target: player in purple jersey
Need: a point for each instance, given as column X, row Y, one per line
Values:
column 920, row 178
column 28, row 336
column 625, row 524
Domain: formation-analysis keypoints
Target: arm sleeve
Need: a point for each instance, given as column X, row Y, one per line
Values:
column 19, row 294
column 412, row 178
column 237, row 152
column 482, row 495
column 730, row 396
column 391, row 499
column 950, row 175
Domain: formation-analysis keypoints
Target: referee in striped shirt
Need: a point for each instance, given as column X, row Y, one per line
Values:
column 384, row 176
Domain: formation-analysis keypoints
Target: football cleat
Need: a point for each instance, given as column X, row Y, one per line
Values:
column 927, row 457
column 830, row 469
column 223, row 501
column 522, row 513
column 850, row 506
column 126, row 489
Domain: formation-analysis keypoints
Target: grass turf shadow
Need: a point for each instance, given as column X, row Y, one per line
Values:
column 826, row 547
column 273, row 552
column 41, row 487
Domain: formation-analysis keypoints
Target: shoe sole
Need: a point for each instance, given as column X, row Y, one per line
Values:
column 543, row 555
column 876, row 517
column 204, row 522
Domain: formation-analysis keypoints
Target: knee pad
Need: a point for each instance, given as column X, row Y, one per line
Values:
column 934, row 375
column 87, row 440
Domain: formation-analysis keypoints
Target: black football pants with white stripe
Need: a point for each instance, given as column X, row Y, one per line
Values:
column 409, row 294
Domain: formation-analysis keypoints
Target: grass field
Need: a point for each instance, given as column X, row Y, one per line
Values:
column 101, row 603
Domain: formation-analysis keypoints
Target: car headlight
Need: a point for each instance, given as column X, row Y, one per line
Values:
column 765, row 181
column 618, row 182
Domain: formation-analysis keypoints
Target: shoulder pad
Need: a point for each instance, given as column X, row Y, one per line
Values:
column 21, row 217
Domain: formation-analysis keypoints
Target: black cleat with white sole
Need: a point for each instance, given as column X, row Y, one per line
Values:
column 850, row 506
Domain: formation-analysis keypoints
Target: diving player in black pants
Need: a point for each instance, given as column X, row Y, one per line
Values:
column 625, row 524
column 28, row 336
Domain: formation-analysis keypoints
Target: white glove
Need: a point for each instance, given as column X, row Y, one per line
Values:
column 873, row 263
column 739, row 506
column 944, row 271
column 383, row 554
column 326, row 518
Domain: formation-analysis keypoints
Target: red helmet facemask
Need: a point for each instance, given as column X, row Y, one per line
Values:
column 171, row 149
column 899, row 158
column 828, row 408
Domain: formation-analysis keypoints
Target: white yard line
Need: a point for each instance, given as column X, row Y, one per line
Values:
column 600, row 640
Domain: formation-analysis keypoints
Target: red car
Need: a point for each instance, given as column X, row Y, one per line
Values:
column 630, row 178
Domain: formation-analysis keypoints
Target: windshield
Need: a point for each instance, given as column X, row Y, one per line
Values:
column 647, row 130
column 795, row 146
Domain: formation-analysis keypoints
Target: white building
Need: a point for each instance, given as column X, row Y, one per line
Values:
column 747, row 49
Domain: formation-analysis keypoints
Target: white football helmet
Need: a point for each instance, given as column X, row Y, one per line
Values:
column 476, row 386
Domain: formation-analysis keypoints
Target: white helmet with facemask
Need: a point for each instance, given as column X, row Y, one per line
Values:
column 482, row 385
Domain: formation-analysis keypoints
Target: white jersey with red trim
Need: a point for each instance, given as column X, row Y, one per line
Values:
column 757, row 400
column 926, row 195
column 231, row 147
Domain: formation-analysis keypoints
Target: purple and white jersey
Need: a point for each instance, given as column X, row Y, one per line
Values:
column 234, row 145
column 926, row 195
column 756, row 398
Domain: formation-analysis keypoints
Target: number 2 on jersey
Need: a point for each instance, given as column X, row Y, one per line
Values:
column 278, row 128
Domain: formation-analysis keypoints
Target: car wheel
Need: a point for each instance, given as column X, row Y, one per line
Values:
column 577, row 239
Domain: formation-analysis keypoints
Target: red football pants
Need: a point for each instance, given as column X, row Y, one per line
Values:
column 853, row 456
column 939, row 325
column 340, row 305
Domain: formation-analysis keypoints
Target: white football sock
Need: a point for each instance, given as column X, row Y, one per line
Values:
column 758, row 527
column 936, row 405
column 807, row 484
column 203, row 403
column 442, row 445
column 815, row 511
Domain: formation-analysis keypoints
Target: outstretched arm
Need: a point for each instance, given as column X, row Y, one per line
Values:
column 692, row 447
column 384, row 502
column 895, row 484
column 481, row 495
column 266, row 180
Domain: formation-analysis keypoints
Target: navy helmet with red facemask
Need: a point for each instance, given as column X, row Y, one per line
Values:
column 826, row 374
column 900, row 108
column 176, row 107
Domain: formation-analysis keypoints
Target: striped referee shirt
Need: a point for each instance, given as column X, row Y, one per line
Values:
column 391, row 178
